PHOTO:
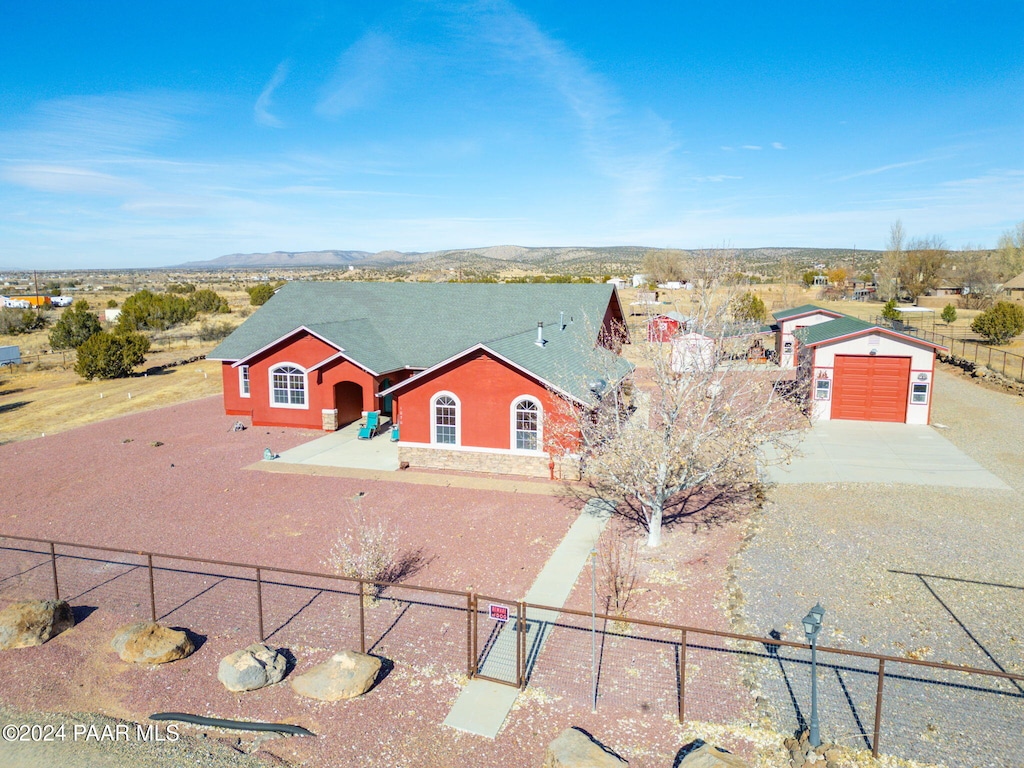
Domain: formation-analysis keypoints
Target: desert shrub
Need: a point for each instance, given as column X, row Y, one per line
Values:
column 181, row 288
column 260, row 294
column 206, row 301
column 618, row 567
column 75, row 327
column 111, row 303
column 750, row 307
column 1000, row 323
column 214, row 331
column 110, row 355
column 371, row 550
column 17, row 321
column 157, row 312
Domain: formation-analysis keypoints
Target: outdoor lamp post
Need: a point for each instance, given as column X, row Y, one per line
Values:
column 812, row 626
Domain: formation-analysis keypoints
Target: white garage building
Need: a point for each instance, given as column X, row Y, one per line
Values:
column 788, row 322
column 864, row 372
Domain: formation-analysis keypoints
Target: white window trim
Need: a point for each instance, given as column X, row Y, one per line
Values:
column 512, row 426
column 305, row 386
column 243, row 380
column 433, row 419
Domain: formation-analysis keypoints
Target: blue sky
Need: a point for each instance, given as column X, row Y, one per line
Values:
column 136, row 134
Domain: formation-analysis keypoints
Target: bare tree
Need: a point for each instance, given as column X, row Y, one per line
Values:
column 694, row 421
column 1011, row 253
column 662, row 266
column 922, row 264
column 976, row 273
column 888, row 272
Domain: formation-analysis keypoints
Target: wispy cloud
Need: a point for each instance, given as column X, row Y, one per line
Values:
column 716, row 178
column 754, row 147
column 778, row 145
column 261, row 109
column 363, row 71
column 882, row 169
column 66, row 179
column 632, row 147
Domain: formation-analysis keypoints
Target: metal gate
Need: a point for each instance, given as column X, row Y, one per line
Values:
column 498, row 634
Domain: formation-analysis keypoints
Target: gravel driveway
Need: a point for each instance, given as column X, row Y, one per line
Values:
column 907, row 570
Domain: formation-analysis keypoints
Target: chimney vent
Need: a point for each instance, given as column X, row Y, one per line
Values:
column 561, row 321
column 540, row 335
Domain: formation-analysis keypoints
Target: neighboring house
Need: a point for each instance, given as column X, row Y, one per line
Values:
column 864, row 372
column 1014, row 289
column 618, row 282
column 639, row 280
column 469, row 373
column 662, row 328
column 789, row 320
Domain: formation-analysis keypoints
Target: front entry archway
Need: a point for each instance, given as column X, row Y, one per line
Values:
column 348, row 399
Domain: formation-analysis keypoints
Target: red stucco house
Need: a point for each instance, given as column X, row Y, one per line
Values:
column 472, row 374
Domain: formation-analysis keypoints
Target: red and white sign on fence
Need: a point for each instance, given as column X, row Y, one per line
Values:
column 498, row 612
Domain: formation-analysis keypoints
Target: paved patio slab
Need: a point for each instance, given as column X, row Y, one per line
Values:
column 871, row 452
column 344, row 449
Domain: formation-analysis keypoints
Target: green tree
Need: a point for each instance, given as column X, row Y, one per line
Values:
column 206, row 301
column 158, row 312
column 809, row 276
column 111, row 355
column 75, row 327
column 1000, row 323
column 749, row 307
column 889, row 311
column 260, row 294
column 181, row 288
column 948, row 314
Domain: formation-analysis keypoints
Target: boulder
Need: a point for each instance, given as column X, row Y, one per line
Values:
column 708, row 756
column 147, row 642
column 346, row 675
column 251, row 668
column 575, row 748
column 33, row 622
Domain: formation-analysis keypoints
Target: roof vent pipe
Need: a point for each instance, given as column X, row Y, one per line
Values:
column 561, row 321
column 540, row 335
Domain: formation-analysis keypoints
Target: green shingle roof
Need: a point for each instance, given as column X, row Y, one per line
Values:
column 386, row 326
column 833, row 329
column 805, row 309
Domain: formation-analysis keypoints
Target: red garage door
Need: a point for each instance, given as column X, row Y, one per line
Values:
column 870, row 388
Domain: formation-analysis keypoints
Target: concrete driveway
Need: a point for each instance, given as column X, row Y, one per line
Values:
column 870, row 452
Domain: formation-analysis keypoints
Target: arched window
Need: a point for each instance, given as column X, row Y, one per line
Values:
column 446, row 420
column 526, row 414
column 287, row 387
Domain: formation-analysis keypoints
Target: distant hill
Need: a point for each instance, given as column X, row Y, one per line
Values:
column 281, row 259
column 498, row 258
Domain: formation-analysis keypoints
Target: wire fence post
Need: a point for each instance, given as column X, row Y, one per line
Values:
column 682, row 676
column 362, row 620
column 878, row 708
column 259, row 603
column 53, row 566
column 520, row 642
column 152, row 589
column 469, row 634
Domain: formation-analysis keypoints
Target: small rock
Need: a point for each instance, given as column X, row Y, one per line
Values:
column 147, row 642
column 252, row 668
column 346, row 675
column 33, row 622
column 575, row 749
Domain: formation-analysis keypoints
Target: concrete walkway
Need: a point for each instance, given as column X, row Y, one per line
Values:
column 483, row 705
column 872, row 452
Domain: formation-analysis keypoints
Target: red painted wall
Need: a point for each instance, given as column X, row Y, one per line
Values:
column 485, row 388
column 305, row 351
column 661, row 328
